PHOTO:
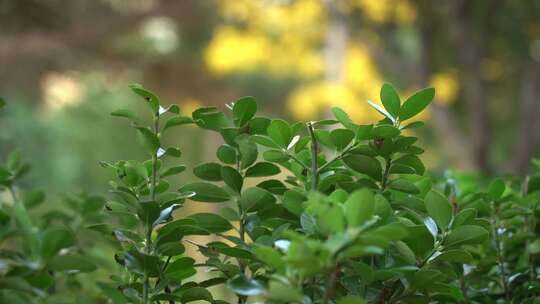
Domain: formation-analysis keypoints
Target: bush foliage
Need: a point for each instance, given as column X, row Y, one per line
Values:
column 324, row 211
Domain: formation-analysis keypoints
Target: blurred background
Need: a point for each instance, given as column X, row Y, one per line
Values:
column 65, row 65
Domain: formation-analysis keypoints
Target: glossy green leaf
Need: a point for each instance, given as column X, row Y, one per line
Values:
column 454, row 256
column 124, row 113
column 208, row 171
column 359, row 207
column 364, row 164
column 173, row 171
column 226, row 154
column 416, row 103
column 496, row 189
column 390, row 99
column 344, row 118
column 466, row 234
column 280, row 132
column 151, row 98
column 55, row 239
column 232, row 178
column 261, row 169
column 149, row 139
column 71, row 262
column 211, row 222
column 341, row 138
column 205, row 192
column 246, row 287
column 243, row 110
column 180, row 269
column 439, row 208
column 210, row 118
column 248, row 150
column 255, row 198
column 177, row 121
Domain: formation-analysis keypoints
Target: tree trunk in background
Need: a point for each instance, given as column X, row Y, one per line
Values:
column 528, row 137
column 457, row 147
column 470, row 56
column 335, row 43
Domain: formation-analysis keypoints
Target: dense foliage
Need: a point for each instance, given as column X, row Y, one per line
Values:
column 323, row 211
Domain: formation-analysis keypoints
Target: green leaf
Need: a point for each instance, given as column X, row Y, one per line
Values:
column 385, row 131
column 148, row 212
column 262, row 169
column 284, row 292
column 455, row 256
column 275, row 156
column 364, row 164
column 234, row 252
column 232, row 178
column 151, row 98
column 390, row 99
column 246, row 287
column 273, row 186
column 71, row 262
column 255, row 198
column 205, row 192
column 439, row 209
column 124, row 113
column 211, row 222
column 210, row 118
column 382, row 111
column 177, row 121
column 196, row 294
column 341, row 138
column 181, row 269
column 208, row 172
column 416, row 103
column 466, row 234
column 248, row 150
column 226, row 154
column 149, row 139
column 411, row 161
column 265, row 141
column 142, row 263
column 33, row 198
column 344, row 119
column 496, row 189
column 171, row 249
column 258, row 125
column 2, row 102
column 269, row 256
column 404, row 185
column 280, row 132
column 243, row 110
column 55, row 239
column 359, row 207
column 173, row 171
column 172, row 152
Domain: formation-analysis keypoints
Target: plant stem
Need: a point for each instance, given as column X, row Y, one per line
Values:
column 529, row 226
column 241, row 228
column 338, row 157
column 497, row 245
column 314, row 157
column 331, row 285
column 153, row 182
column 463, row 289
column 384, row 181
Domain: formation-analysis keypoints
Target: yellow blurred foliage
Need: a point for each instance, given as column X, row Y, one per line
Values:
column 447, row 84
column 188, row 105
column 381, row 11
column 286, row 38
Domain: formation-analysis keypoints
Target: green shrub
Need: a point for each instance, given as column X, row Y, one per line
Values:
column 324, row 211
